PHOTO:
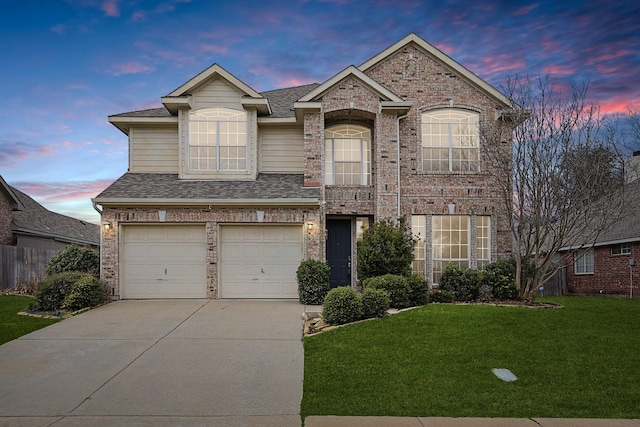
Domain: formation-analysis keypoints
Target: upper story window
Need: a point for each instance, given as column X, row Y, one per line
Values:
column 450, row 141
column 217, row 140
column 347, row 155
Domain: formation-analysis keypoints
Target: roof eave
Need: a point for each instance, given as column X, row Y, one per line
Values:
column 124, row 123
column 127, row 202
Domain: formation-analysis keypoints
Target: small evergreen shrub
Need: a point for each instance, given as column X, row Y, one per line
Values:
column 397, row 287
column 375, row 302
column 313, row 281
column 87, row 291
column 385, row 248
column 342, row 305
column 52, row 290
column 440, row 296
column 464, row 283
column 74, row 258
column 499, row 276
column 419, row 290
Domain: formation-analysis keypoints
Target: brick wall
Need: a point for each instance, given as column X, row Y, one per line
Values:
column 212, row 218
column 6, row 236
column 611, row 273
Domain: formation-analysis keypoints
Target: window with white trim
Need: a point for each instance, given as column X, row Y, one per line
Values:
column 217, row 140
column 347, row 155
column 483, row 240
column 584, row 262
column 623, row 249
column 450, row 140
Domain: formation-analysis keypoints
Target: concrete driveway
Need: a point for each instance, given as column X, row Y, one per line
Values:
column 160, row 363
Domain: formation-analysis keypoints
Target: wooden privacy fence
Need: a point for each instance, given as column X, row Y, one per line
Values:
column 22, row 266
column 557, row 285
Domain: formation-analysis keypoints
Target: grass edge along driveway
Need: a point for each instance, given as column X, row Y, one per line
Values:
column 580, row 361
column 14, row 326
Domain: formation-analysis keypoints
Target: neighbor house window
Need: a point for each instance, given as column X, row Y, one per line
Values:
column 621, row 249
column 450, row 141
column 347, row 155
column 217, row 140
column 584, row 262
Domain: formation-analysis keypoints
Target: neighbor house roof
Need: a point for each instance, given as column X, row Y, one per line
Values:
column 33, row 219
column 167, row 189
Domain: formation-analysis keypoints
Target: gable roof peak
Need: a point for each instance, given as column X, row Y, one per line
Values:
column 209, row 73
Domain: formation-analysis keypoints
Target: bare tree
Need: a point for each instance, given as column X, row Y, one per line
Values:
column 565, row 184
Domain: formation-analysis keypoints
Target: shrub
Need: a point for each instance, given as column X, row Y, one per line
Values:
column 52, row 290
column 465, row 284
column 342, row 305
column 440, row 296
column 419, row 290
column 385, row 248
column 74, row 258
column 313, row 281
column 397, row 287
column 87, row 291
column 375, row 302
column 500, row 277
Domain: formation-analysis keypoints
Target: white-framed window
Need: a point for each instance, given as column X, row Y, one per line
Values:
column 450, row 140
column 347, row 155
column 483, row 241
column 624, row 249
column 451, row 237
column 583, row 263
column 217, row 140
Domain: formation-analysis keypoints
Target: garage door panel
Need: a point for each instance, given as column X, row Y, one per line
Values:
column 260, row 261
column 167, row 261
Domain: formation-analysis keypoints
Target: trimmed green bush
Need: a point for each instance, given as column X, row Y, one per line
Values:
column 385, row 248
column 313, row 281
column 440, row 296
column 87, row 291
column 342, row 305
column 74, row 258
column 375, row 302
column 499, row 276
column 419, row 290
column 52, row 290
column 397, row 287
column 465, row 284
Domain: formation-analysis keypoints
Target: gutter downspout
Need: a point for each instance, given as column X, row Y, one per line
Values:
column 398, row 140
column 95, row 206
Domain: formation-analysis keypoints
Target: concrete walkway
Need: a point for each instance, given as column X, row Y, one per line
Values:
column 159, row 363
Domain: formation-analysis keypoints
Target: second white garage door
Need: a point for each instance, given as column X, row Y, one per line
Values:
column 259, row 261
column 163, row 261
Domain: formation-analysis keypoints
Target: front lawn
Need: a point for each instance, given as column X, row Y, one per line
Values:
column 12, row 325
column 580, row 361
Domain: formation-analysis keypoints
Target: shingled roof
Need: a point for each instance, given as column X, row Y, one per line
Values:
column 168, row 186
column 35, row 220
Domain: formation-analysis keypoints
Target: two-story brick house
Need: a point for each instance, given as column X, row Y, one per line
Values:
column 229, row 189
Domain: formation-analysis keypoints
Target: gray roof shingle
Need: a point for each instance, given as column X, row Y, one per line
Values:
column 281, row 100
column 35, row 219
column 168, row 186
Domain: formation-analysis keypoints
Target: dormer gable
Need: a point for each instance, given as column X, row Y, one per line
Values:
column 182, row 97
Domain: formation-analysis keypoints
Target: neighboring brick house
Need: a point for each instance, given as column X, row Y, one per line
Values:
column 229, row 189
column 26, row 223
column 612, row 264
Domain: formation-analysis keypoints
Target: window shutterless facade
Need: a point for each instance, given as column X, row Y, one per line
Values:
column 217, row 140
column 450, row 242
column 450, row 141
column 623, row 249
column 583, row 263
column 347, row 155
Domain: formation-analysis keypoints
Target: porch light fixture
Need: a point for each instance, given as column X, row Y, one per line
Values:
column 452, row 208
column 310, row 224
column 107, row 226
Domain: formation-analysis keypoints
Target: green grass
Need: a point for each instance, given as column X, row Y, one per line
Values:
column 580, row 361
column 12, row 325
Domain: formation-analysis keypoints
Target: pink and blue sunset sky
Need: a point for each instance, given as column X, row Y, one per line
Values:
column 68, row 64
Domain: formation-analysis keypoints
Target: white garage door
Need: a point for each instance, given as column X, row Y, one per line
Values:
column 259, row 261
column 163, row 261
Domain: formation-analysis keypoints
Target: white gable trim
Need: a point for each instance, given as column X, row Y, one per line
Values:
column 384, row 93
column 214, row 70
column 442, row 58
